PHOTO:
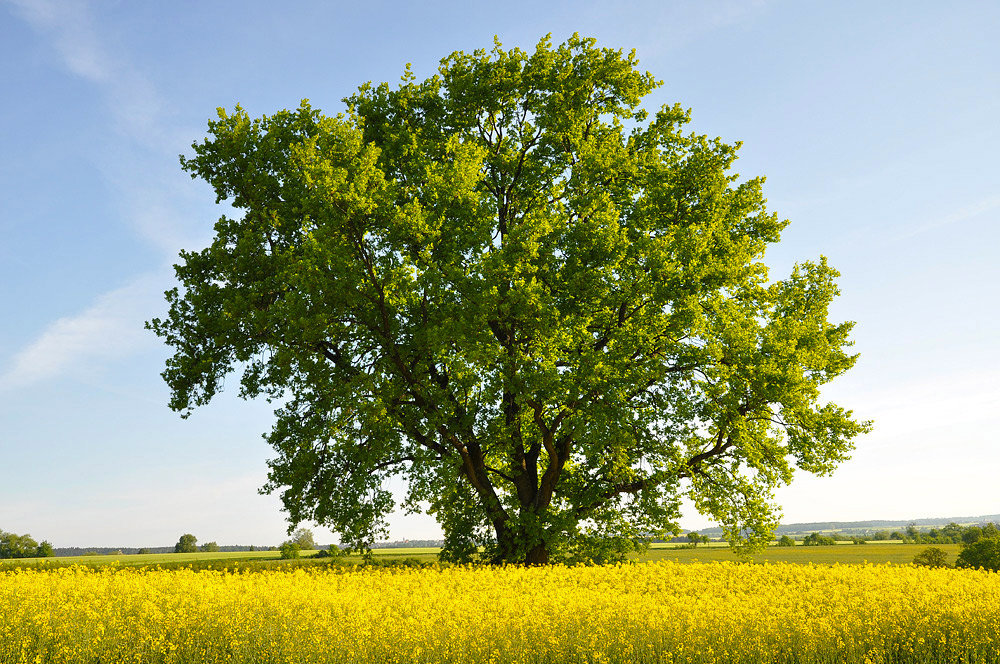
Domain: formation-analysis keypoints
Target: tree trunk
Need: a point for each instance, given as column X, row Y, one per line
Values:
column 538, row 555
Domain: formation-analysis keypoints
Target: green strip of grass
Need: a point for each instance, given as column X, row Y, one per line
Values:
column 875, row 553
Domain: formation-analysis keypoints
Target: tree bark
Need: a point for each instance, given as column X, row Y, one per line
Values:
column 538, row 555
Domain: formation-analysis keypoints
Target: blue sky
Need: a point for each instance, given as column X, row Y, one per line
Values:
column 875, row 124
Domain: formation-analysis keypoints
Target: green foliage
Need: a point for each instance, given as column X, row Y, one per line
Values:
column 546, row 309
column 188, row 543
column 815, row 539
column 932, row 556
column 786, row 541
column 332, row 551
column 209, row 546
column 304, row 538
column 45, row 550
column 290, row 550
column 983, row 553
column 18, row 546
column 696, row 538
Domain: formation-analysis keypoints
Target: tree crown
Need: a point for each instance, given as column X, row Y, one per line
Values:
column 545, row 308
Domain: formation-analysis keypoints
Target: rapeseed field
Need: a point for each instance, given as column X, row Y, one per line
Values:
column 655, row 612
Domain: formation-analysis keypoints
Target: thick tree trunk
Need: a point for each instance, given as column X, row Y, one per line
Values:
column 508, row 551
column 538, row 555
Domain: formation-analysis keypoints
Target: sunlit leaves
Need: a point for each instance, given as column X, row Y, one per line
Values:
column 506, row 283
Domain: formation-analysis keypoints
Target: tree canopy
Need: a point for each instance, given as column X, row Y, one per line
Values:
column 509, row 284
column 13, row 545
column 187, row 543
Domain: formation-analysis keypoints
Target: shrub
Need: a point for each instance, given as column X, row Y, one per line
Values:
column 786, row 541
column 290, row 550
column 818, row 540
column 932, row 556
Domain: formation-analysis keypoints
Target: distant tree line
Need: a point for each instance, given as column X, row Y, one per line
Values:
column 408, row 544
column 133, row 550
column 23, row 546
column 980, row 549
column 952, row 533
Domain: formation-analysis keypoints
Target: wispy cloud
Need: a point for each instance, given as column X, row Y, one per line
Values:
column 138, row 161
column 69, row 24
column 671, row 26
column 964, row 213
column 136, row 106
column 110, row 328
column 142, row 167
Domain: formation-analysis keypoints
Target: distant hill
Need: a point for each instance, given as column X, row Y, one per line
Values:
column 865, row 527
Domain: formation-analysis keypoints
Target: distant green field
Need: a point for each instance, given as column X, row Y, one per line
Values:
column 846, row 553
column 152, row 559
column 876, row 553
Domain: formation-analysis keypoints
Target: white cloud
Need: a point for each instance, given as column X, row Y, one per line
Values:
column 135, row 104
column 69, row 24
column 139, row 114
column 110, row 328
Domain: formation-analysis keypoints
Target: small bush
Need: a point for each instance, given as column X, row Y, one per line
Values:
column 932, row 556
column 818, row 540
column 289, row 550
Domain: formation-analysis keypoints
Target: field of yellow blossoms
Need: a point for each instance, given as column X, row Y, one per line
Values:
column 655, row 612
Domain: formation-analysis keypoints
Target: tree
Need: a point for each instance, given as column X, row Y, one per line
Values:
column 289, row 550
column 786, row 541
column 545, row 309
column 815, row 539
column 304, row 538
column 188, row 543
column 932, row 556
column 982, row 553
column 209, row 546
column 971, row 534
column 45, row 550
column 17, row 546
column 697, row 538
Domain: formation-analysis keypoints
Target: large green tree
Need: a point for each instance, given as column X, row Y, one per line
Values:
column 544, row 308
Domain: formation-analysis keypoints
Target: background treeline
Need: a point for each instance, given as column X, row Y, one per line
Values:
column 869, row 529
column 951, row 533
column 131, row 550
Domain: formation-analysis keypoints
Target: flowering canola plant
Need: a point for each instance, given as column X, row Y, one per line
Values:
column 655, row 612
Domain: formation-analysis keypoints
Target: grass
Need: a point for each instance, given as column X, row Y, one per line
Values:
column 845, row 553
column 221, row 559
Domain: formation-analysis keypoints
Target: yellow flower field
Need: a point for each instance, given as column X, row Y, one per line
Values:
column 656, row 612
